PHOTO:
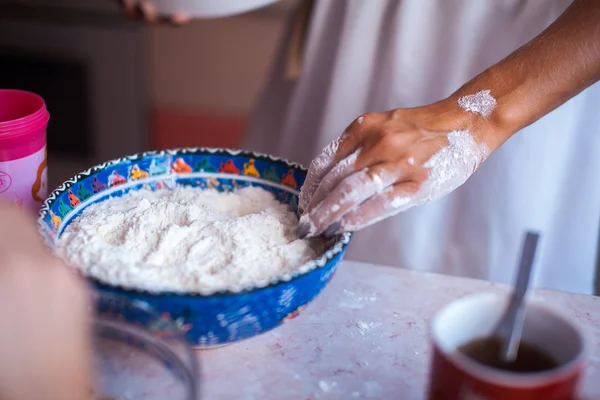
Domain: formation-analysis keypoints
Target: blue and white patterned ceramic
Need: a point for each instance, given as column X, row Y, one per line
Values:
column 223, row 317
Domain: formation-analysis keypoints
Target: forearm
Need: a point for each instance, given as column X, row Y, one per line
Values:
column 543, row 74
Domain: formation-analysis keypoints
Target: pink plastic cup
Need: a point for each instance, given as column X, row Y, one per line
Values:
column 23, row 171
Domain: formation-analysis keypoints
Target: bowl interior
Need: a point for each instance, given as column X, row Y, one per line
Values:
column 223, row 170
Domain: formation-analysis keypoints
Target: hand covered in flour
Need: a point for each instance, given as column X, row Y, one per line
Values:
column 387, row 162
column 146, row 10
column 44, row 342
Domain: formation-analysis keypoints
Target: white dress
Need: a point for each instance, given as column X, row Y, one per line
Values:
column 366, row 55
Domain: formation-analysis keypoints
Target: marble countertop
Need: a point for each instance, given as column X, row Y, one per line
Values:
column 365, row 337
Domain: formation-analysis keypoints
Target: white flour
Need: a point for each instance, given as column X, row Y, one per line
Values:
column 187, row 240
column 481, row 103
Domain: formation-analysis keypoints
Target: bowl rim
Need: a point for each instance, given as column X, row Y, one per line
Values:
column 339, row 246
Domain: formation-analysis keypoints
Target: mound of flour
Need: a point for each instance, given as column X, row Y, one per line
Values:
column 186, row 240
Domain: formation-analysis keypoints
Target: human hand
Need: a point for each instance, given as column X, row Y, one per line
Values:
column 44, row 341
column 388, row 162
column 146, row 10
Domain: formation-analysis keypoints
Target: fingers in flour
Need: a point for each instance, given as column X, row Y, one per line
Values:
column 391, row 201
column 335, row 162
column 336, row 151
column 372, row 148
column 358, row 188
column 347, row 195
column 316, row 171
column 455, row 157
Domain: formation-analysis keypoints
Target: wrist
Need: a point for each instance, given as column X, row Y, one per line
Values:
column 508, row 114
column 491, row 130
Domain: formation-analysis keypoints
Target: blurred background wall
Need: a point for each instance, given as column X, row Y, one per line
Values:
column 205, row 77
column 116, row 87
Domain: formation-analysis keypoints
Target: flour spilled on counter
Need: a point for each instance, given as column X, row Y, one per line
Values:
column 365, row 328
column 326, row 386
column 187, row 240
column 355, row 300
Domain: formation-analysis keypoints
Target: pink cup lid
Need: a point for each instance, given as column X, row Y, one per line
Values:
column 23, row 122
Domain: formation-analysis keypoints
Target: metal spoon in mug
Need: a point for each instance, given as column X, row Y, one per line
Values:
column 510, row 327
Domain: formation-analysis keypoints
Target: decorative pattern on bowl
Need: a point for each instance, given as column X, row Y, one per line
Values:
column 223, row 317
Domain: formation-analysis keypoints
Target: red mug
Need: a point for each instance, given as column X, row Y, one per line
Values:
column 455, row 376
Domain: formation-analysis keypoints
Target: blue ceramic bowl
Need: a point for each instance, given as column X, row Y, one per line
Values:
column 222, row 317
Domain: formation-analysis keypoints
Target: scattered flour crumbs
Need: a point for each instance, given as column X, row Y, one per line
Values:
column 187, row 240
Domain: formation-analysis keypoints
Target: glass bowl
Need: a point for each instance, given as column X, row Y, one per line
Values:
column 134, row 362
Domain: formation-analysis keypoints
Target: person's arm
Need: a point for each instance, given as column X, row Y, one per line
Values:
column 388, row 162
column 543, row 74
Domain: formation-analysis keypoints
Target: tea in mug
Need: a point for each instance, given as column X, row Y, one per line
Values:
column 487, row 350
